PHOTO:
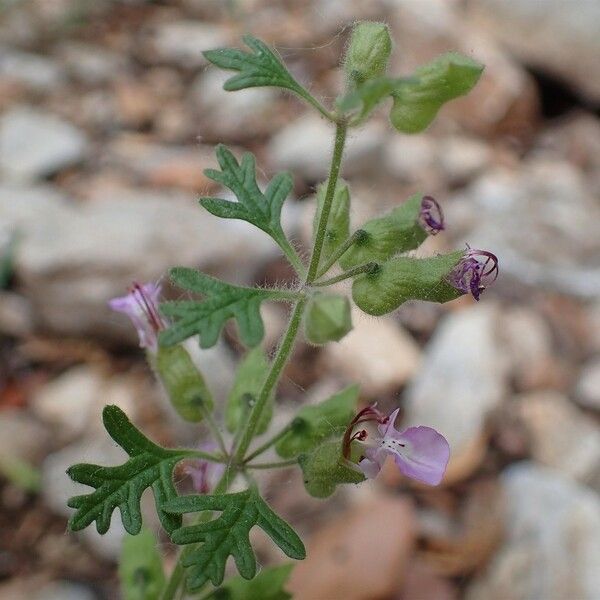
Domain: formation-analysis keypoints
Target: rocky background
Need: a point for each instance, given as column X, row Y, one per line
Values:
column 108, row 116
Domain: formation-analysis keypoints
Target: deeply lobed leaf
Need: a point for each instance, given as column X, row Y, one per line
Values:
column 228, row 535
column 122, row 487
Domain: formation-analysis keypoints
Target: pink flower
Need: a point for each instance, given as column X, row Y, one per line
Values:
column 419, row 452
column 203, row 473
column 141, row 306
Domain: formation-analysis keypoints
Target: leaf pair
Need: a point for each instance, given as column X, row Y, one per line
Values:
column 228, row 535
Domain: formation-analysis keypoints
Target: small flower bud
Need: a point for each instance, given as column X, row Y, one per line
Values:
column 417, row 103
column 327, row 319
column 368, row 52
column 403, row 229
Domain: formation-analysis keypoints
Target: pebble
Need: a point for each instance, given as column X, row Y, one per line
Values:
column 37, row 72
column 552, row 542
column 35, row 144
column 587, row 391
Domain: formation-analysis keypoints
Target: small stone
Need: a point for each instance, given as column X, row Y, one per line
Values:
column 587, row 391
column 37, row 72
column 63, row 590
column 561, row 436
column 410, row 158
column 461, row 158
column 16, row 316
column 91, row 64
column 463, row 377
column 552, row 542
column 137, row 104
column 362, row 554
column 22, row 436
column 182, row 42
column 35, row 144
column 378, row 353
column 305, row 145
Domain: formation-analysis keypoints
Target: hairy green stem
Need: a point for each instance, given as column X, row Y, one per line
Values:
column 292, row 256
column 281, row 358
column 334, row 171
column 358, row 235
column 306, row 95
column 366, row 268
column 214, row 429
column 273, row 465
column 270, row 442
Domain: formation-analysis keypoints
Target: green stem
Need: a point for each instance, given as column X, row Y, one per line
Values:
column 367, row 268
column 334, row 171
column 270, row 442
column 273, row 465
column 214, row 429
column 306, row 95
column 292, row 256
column 204, row 455
column 281, row 358
column 357, row 236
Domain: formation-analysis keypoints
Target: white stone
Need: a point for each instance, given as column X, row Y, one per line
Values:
column 35, row 144
column 552, row 543
column 587, row 390
column 33, row 70
column 378, row 353
column 462, row 377
column 305, row 146
column 182, row 42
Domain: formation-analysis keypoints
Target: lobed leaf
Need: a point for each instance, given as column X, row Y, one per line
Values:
column 228, row 535
column 259, row 68
column 122, row 487
column 208, row 317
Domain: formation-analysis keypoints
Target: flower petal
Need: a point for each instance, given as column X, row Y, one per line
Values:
column 424, row 456
column 369, row 468
column 388, row 429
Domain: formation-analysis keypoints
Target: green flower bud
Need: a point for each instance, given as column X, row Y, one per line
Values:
column 338, row 224
column 368, row 52
column 325, row 468
column 327, row 318
column 447, row 77
column 401, row 279
column 183, row 382
column 403, row 229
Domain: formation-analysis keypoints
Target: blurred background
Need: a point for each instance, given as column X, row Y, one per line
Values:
column 108, row 116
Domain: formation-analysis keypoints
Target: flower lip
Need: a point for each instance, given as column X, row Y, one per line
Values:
column 431, row 216
column 475, row 272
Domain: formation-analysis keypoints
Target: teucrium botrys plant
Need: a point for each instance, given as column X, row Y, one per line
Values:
column 332, row 442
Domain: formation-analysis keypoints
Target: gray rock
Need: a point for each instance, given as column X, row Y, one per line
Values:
column 73, row 259
column 552, row 544
column 562, row 437
column 462, row 377
column 16, row 316
column 540, row 239
column 35, row 144
column 36, row 72
column 182, row 42
column 562, row 38
column 305, row 146
column 587, row 391
column 91, row 64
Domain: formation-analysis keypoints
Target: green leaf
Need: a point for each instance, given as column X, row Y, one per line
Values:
column 403, row 278
column 363, row 100
column 207, row 318
column 149, row 465
column 447, row 77
column 269, row 584
column 140, row 567
column 396, row 232
column 259, row 68
column 324, row 468
column 338, row 224
column 262, row 209
column 183, row 382
column 314, row 424
column 228, row 535
column 249, row 379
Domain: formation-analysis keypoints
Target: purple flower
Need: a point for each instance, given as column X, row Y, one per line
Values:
column 141, row 306
column 431, row 216
column 419, row 452
column 476, row 271
column 203, row 473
